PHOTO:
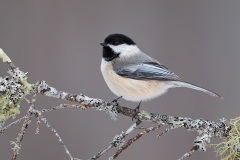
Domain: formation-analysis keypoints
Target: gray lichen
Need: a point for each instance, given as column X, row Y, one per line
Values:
column 12, row 90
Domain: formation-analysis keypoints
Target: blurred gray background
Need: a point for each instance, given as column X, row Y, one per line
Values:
column 58, row 41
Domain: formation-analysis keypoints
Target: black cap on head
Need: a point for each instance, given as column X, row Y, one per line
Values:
column 117, row 39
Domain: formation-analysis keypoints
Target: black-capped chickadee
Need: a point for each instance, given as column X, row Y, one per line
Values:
column 135, row 76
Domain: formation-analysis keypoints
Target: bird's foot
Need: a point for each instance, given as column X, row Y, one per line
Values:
column 136, row 111
column 115, row 101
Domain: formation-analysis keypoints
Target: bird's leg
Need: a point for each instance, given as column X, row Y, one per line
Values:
column 115, row 101
column 136, row 110
column 138, row 106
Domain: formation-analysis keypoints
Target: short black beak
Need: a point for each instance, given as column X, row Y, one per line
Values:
column 103, row 44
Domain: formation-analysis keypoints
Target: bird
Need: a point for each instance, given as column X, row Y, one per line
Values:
column 135, row 76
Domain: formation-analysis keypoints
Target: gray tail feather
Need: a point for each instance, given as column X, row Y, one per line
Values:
column 188, row 85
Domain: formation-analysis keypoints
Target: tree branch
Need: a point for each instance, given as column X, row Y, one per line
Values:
column 15, row 88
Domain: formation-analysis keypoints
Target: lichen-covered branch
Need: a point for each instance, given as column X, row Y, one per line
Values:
column 14, row 88
column 117, row 140
column 131, row 140
column 216, row 129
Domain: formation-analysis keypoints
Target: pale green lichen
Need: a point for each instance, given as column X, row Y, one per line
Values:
column 12, row 91
column 26, row 87
column 229, row 148
column 118, row 140
column 112, row 112
column 144, row 114
column 4, row 56
column 7, row 107
column 16, row 147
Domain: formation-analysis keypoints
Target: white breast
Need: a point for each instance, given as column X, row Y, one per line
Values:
column 131, row 89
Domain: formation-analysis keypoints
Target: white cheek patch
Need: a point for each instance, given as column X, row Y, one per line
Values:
column 118, row 48
column 125, row 50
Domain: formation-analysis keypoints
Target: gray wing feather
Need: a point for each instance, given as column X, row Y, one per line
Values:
column 147, row 70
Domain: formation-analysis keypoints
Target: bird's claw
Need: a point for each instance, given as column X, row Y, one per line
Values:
column 136, row 111
column 115, row 101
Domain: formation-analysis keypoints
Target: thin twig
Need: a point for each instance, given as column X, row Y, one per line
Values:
column 13, row 123
column 130, row 141
column 99, row 154
column 117, row 141
column 17, row 144
column 188, row 154
column 44, row 120
column 61, row 106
